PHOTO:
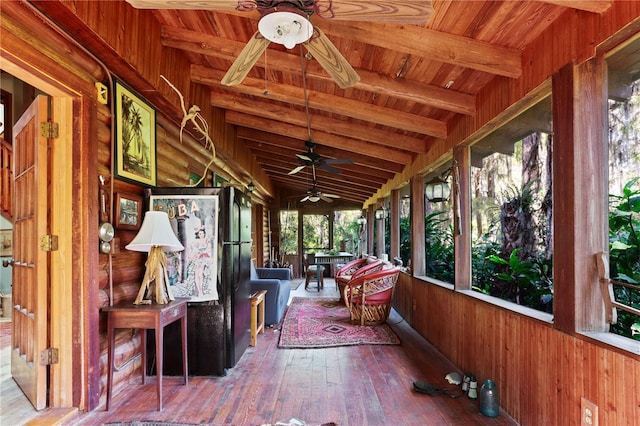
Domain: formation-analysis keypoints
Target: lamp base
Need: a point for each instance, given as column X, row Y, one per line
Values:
column 156, row 272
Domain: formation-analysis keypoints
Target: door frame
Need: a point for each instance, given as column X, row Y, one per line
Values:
column 63, row 376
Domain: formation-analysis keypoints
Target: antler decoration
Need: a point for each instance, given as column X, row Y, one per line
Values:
column 200, row 124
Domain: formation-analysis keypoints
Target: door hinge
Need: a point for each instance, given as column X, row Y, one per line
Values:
column 49, row 130
column 49, row 356
column 49, row 243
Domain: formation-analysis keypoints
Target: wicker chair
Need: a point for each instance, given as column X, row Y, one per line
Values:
column 364, row 267
column 370, row 296
column 345, row 272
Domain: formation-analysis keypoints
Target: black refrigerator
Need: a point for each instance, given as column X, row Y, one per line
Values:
column 214, row 225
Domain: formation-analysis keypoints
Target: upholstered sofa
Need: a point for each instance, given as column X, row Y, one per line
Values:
column 277, row 282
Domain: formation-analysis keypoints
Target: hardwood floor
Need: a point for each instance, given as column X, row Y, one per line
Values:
column 357, row 385
column 15, row 408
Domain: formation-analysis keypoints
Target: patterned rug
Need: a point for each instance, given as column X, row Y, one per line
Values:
column 324, row 323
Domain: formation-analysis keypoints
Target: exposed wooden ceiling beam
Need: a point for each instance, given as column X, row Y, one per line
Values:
column 437, row 46
column 425, row 42
column 362, row 163
column 595, row 6
column 338, row 182
column 434, row 96
column 269, row 110
column 359, row 147
column 355, row 195
column 265, row 154
column 329, row 103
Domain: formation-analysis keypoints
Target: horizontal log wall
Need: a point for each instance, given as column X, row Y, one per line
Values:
column 541, row 372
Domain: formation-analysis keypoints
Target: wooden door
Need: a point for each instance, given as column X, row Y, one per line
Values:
column 30, row 276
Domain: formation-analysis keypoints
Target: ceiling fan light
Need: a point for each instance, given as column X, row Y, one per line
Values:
column 286, row 28
column 314, row 198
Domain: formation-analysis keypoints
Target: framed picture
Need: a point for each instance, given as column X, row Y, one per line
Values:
column 6, row 242
column 192, row 272
column 127, row 211
column 135, row 138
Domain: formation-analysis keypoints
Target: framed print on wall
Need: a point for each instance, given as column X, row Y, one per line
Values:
column 6, row 242
column 135, row 138
column 127, row 211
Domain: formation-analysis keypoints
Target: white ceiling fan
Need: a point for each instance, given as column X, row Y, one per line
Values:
column 287, row 22
column 314, row 195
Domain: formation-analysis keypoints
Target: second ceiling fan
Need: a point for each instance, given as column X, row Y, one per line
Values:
column 287, row 22
column 313, row 160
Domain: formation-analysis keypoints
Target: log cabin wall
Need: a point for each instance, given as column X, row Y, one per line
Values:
column 115, row 31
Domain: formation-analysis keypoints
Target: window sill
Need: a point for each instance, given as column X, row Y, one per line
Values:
column 510, row 306
column 614, row 340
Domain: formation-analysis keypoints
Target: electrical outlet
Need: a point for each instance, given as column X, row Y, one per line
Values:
column 588, row 413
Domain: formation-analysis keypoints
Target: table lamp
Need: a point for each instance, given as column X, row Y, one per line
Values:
column 155, row 237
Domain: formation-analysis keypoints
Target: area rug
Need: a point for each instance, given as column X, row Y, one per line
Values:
column 324, row 323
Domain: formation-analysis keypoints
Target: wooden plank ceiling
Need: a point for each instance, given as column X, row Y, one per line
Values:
column 415, row 79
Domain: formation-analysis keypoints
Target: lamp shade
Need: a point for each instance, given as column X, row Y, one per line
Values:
column 155, row 231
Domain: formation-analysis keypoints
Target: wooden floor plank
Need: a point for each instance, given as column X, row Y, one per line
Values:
column 355, row 385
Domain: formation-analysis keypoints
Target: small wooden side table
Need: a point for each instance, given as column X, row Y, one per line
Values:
column 146, row 317
column 257, row 318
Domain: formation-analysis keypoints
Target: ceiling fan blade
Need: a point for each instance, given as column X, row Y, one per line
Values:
column 221, row 5
column 338, row 161
column 329, row 169
column 331, row 195
column 331, row 60
column 304, row 157
column 324, row 198
column 400, row 11
column 246, row 60
column 296, row 170
column 304, row 199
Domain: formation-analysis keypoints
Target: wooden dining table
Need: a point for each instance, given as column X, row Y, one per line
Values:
column 331, row 260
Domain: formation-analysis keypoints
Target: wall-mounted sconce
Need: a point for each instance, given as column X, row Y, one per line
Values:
column 251, row 187
column 361, row 220
column 381, row 213
column 437, row 190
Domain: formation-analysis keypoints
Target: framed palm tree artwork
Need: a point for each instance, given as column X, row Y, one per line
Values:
column 135, row 137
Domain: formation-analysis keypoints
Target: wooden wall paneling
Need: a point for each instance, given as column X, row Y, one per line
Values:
column 541, row 372
column 402, row 297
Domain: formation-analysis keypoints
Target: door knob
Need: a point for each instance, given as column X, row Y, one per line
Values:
column 6, row 263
